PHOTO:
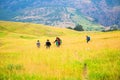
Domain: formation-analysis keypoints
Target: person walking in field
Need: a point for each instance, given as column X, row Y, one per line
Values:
column 58, row 41
column 38, row 43
column 48, row 43
column 87, row 38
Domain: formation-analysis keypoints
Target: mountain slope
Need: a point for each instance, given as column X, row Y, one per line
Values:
column 62, row 13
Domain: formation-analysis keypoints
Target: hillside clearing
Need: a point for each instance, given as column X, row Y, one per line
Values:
column 20, row 59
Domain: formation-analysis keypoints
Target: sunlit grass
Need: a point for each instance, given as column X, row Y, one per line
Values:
column 20, row 59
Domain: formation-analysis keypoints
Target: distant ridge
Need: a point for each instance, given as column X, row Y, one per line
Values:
column 91, row 14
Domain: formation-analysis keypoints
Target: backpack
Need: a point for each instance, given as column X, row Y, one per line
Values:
column 88, row 38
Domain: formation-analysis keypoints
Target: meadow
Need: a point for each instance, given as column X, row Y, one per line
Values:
column 75, row 59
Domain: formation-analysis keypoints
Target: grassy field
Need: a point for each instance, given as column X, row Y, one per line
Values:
column 20, row 59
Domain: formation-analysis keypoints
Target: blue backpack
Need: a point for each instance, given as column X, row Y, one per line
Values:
column 88, row 38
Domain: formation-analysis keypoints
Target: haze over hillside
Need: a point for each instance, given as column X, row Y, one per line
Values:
column 91, row 14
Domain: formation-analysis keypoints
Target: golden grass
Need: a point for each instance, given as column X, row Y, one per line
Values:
column 20, row 59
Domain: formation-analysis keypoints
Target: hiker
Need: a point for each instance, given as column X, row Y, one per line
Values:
column 87, row 38
column 48, row 43
column 58, row 41
column 38, row 43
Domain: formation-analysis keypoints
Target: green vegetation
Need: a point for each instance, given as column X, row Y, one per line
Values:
column 20, row 59
column 77, row 28
column 87, row 24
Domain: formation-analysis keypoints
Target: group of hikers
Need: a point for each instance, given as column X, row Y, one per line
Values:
column 58, row 42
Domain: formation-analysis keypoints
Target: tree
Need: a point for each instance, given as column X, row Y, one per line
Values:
column 69, row 28
column 79, row 28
